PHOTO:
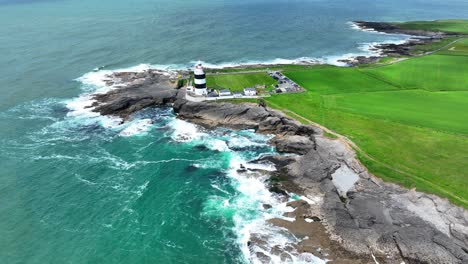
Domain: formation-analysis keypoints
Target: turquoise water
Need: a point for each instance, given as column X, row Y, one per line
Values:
column 75, row 187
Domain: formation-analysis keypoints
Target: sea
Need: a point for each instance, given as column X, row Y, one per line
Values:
column 77, row 187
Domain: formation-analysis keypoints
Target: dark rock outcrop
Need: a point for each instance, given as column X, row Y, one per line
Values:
column 291, row 136
column 388, row 221
column 391, row 28
column 374, row 217
column 408, row 48
column 137, row 91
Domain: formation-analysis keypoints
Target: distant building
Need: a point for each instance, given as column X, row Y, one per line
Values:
column 250, row 91
column 224, row 92
column 200, row 80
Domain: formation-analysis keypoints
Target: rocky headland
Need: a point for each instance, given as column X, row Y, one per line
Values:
column 407, row 48
column 345, row 214
column 392, row 28
column 371, row 218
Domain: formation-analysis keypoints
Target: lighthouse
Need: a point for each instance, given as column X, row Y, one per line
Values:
column 200, row 80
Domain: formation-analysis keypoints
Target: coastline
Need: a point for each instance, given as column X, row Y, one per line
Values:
column 362, row 221
column 371, row 219
column 368, row 221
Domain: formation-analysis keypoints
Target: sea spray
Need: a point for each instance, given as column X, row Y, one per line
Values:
column 240, row 201
column 244, row 207
column 123, row 166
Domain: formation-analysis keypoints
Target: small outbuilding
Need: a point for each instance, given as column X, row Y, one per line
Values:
column 224, row 92
column 250, row 92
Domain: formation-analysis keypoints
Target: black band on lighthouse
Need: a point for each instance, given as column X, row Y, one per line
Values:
column 200, row 85
column 201, row 76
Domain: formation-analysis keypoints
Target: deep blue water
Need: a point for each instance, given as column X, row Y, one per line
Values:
column 74, row 190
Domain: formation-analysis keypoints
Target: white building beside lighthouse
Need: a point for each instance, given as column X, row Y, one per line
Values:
column 199, row 80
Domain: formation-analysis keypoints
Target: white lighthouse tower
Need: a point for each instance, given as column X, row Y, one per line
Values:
column 200, row 80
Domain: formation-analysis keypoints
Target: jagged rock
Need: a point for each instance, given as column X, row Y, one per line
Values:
column 389, row 221
column 138, row 91
column 394, row 29
column 263, row 258
column 293, row 144
column 241, row 116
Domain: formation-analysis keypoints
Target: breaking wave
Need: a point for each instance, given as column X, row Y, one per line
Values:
column 245, row 206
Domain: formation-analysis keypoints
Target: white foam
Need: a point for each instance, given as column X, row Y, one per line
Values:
column 371, row 48
column 256, row 166
column 184, row 131
column 311, row 201
column 96, row 82
column 215, row 186
column 137, row 127
column 242, row 142
column 218, row 145
column 141, row 189
column 81, row 110
column 254, row 193
column 355, row 26
column 250, row 218
column 84, row 180
column 61, row 157
column 277, row 61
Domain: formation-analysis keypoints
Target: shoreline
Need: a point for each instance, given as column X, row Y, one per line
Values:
column 337, row 60
column 371, row 219
column 364, row 221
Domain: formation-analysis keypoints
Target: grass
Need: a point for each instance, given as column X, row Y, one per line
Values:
column 332, row 80
column 432, row 73
column 421, row 49
column 329, row 135
column 444, row 111
column 410, row 118
column 451, row 25
column 458, row 49
column 237, row 82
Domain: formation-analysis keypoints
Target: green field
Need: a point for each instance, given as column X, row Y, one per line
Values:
column 459, row 48
column 432, row 73
column 443, row 111
column 409, row 119
column 428, row 47
column 333, row 79
column 237, row 82
column 450, row 25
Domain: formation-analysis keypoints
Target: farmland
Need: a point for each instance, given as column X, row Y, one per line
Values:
column 409, row 119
